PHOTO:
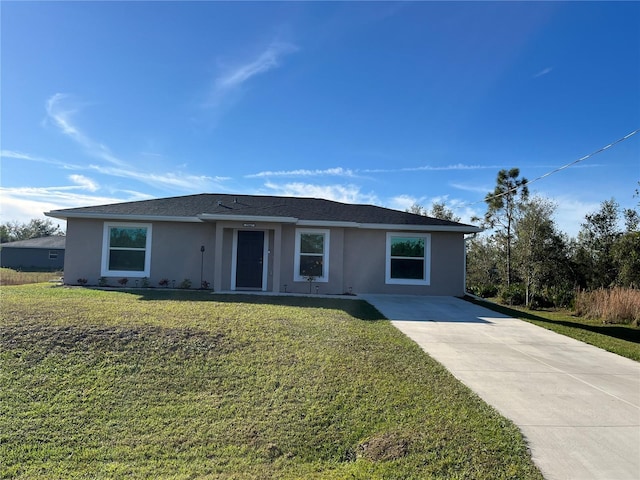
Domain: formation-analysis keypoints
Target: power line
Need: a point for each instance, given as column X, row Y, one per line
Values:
column 529, row 182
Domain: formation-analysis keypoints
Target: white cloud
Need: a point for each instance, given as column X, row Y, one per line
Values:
column 337, row 171
column 403, row 202
column 165, row 180
column 84, row 182
column 60, row 109
column 430, row 168
column 475, row 188
column 570, row 212
column 24, row 203
column 235, row 77
column 338, row 193
column 542, row 72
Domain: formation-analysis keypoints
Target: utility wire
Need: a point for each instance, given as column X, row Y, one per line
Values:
column 629, row 135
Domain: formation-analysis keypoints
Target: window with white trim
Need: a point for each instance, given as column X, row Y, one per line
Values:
column 53, row 255
column 126, row 249
column 312, row 255
column 408, row 258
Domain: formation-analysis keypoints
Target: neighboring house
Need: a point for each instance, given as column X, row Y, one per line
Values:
column 45, row 253
column 266, row 243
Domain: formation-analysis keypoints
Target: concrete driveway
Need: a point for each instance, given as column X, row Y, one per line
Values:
column 577, row 405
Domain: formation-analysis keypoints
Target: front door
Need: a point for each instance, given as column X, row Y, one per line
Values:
column 250, row 259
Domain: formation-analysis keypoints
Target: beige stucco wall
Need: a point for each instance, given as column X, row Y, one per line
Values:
column 356, row 258
column 175, row 252
column 364, row 264
column 83, row 251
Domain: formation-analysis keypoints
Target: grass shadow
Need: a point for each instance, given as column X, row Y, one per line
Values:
column 352, row 305
column 627, row 333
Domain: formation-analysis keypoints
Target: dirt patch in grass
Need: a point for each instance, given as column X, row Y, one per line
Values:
column 384, row 447
column 56, row 339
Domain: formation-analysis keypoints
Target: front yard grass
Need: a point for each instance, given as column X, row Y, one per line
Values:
column 621, row 339
column 181, row 385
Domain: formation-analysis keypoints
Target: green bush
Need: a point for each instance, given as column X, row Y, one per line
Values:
column 512, row 295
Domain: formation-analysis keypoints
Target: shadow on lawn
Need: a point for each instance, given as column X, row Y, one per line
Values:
column 628, row 333
column 351, row 305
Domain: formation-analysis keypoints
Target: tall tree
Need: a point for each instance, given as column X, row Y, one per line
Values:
column 596, row 238
column 441, row 211
column 541, row 253
column 504, row 205
column 437, row 210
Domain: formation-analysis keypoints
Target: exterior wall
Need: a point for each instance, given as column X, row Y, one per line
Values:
column 83, row 250
column 365, row 257
column 356, row 258
column 335, row 283
column 176, row 255
column 175, row 252
column 31, row 258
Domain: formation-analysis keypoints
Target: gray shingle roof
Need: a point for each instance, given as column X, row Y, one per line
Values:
column 56, row 242
column 309, row 209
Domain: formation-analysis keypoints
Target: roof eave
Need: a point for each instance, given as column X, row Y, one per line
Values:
column 422, row 228
column 61, row 214
column 245, row 218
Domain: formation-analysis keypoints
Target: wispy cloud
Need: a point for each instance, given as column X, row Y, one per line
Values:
column 472, row 188
column 340, row 193
column 233, row 78
column 429, row 168
column 84, row 182
column 60, row 110
column 179, row 180
column 338, row 172
column 33, row 158
column 24, row 203
column 543, row 72
column 403, row 202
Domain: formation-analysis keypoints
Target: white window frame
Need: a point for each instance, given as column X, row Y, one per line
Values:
column 53, row 254
column 427, row 259
column 104, row 270
column 325, row 254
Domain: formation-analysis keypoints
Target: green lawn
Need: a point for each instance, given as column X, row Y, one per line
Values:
column 181, row 385
column 617, row 338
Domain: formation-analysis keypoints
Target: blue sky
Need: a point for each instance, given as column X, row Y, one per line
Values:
column 383, row 103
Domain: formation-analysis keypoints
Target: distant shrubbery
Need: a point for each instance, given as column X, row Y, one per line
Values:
column 524, row 258
column 616, row 305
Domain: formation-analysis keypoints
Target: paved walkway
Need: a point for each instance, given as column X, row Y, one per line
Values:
column 577, row 405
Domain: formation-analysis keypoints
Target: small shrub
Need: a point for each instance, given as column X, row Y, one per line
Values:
column 82, row 281
column 512, row 295
column 145, row 282
column 186, row 283
column 484, row 290
column 164, row 282
column 103, row 282
column 123, row 281
column 205, row 285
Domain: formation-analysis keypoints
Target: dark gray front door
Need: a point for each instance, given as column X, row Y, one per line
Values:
column 250, row 259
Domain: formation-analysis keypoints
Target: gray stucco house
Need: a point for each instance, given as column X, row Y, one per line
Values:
column 266, row 243
column 44, row 253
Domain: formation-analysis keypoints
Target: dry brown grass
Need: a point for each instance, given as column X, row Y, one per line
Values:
column 14, row 277
column 615, row 305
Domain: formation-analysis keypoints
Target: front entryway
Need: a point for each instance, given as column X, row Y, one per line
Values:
column 250, row 259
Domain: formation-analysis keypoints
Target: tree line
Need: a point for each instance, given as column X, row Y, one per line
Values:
column 523, row 258
column 35, row 228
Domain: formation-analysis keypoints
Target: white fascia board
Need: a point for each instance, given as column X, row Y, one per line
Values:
column 422, row 228
column 326, row 223
column 119, row 217
column 245, row 218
